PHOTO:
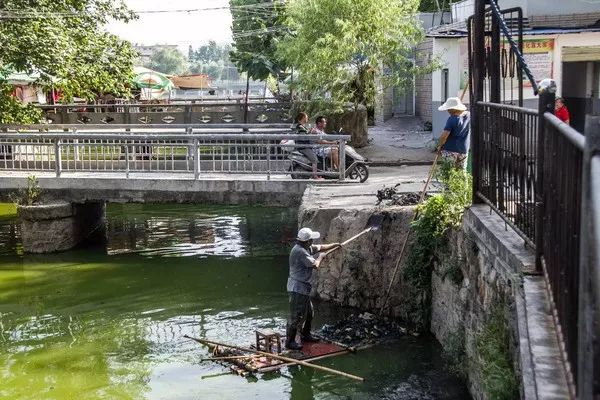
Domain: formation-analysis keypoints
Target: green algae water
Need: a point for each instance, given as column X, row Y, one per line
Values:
column 108, row 323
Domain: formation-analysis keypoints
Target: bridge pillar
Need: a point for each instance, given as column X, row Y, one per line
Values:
column 60, row 226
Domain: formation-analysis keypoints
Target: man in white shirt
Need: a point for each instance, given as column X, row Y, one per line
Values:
column 329, row 151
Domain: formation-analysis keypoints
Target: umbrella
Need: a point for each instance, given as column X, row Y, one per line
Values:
column 145, row 78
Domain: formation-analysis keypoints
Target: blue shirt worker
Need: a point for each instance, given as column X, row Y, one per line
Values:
column 304, row 258
column 455, row 138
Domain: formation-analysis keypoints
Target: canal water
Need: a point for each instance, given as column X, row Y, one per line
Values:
column 108, row 323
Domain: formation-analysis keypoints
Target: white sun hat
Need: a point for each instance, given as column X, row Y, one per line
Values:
column 453, row 103
column 305, row 234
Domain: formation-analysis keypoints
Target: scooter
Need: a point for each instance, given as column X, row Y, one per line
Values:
column 356, row 165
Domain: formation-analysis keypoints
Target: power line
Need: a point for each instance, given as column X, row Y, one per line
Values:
column 29, row 14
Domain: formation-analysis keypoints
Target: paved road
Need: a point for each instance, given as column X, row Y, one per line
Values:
column 359, row 196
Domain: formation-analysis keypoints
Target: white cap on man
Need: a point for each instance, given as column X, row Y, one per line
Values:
column 306, row 234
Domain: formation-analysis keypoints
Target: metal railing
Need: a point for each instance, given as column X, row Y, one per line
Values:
column 165, row 152
column 150, row 114
column 560, row 236
column 507, row 164
column 542, row 177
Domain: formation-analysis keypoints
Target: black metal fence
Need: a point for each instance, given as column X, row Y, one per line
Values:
column 507, row 163
column 560, row 237
column 535, row 174
column 543, row 178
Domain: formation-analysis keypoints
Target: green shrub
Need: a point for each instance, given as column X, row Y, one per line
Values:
column 28, row 196
column 436, row 217
column 454, row 354
column 498, row 376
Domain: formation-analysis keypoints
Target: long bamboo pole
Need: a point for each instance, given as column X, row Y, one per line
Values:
column 277, row 357
column 415, row 215
column 227, row 358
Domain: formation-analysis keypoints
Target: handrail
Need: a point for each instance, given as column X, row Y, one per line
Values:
column 146, row 136
column 81, row 127
column 576, row 138
column 508, row 107
column 157, row 105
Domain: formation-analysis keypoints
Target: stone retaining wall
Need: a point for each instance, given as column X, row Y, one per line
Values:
column 359, row 275
column 493, row 260
column 60, row 226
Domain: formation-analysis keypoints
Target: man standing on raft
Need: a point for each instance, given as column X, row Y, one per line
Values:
column 302, row 262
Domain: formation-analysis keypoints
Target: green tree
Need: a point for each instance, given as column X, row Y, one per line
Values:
column 434, row 5
column 338, row 46
column 167, row 61
column 257, row 30
column 65, row 39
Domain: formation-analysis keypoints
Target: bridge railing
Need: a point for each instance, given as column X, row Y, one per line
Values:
column 150, row 114
column 172, row 128
column 141, row 152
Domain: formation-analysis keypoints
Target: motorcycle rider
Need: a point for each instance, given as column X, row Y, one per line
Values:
column 308, row 151
column 331, row 152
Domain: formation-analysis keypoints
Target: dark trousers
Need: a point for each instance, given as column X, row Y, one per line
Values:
column 301, row 315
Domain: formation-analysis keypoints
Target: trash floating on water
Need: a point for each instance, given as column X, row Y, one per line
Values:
column 362, row 330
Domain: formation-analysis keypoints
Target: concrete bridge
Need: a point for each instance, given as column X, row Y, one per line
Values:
column 166, row 164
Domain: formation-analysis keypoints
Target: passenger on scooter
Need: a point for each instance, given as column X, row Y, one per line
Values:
column 308, row 151
column 331, row 152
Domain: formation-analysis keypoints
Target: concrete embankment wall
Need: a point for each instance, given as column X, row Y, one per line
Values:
column 358, row 275
column 163, row 189
column 496, row 273
column 493, row 264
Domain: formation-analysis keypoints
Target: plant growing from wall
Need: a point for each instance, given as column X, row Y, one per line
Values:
column 28, row 196
column 498, row 375
column 454, row 353
column 437, row 215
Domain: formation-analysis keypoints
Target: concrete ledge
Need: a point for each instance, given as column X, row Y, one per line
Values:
column 50, row 211
column 541, row 368
column 502, row 240
column 164, row 189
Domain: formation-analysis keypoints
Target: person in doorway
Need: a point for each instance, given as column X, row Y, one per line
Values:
column 332, row 151
column 308, row 151
column 561, row 111
column 454, row 141
column 304, row 257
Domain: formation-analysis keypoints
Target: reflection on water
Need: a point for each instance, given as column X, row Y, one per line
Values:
column 207, row 233
column 96, row 324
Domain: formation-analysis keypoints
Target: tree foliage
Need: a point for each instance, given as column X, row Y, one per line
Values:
column 13, row 111
column 65, row 39
column 338, row 46
column 212, row 59
column 212, row 51
column 167, row 61
column 257, row 29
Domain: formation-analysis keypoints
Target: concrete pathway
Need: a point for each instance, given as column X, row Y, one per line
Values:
column 361, row 195
column 399, row 140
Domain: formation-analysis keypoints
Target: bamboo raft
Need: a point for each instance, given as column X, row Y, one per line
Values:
column 249, row 361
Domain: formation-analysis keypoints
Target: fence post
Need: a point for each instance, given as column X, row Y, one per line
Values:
column 342, row 160
column 126, row 115
column 547, row 94
column 126, row 159
column 588, row 357
column 188, row 114
column 196, row 158
column 476, row 76
column 269, row 162
column 57, row 158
